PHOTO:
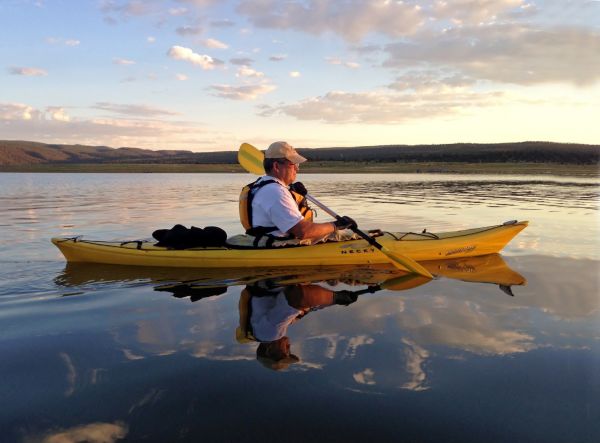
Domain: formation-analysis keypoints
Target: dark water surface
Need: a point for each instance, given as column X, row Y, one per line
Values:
column 102, row 353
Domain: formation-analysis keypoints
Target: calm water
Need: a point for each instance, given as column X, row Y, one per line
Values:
column 100, row 353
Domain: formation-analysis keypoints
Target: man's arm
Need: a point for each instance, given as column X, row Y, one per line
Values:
column 305, row 229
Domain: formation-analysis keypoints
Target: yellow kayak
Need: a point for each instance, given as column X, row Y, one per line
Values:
column 419, row 246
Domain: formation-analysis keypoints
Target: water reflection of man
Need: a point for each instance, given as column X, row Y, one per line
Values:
column 266, row 313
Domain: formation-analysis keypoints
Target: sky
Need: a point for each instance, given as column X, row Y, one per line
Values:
column 208, row 75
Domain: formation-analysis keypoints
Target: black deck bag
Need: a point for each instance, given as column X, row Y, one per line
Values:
column 195, row 293
column 180, row 237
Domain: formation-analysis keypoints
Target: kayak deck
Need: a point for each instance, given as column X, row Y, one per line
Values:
column 419, row 246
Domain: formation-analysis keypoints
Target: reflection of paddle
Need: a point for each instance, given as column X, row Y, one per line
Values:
column 408, row 281
column 251, row 159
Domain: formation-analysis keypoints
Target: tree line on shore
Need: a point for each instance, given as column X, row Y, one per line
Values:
column 24, row 152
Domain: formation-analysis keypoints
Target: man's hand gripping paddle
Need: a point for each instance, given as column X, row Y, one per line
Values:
column 251, row 159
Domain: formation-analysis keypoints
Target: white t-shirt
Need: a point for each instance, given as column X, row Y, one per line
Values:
column 273, row 205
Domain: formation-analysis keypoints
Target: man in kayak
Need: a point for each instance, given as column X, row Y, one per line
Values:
column 276, row 205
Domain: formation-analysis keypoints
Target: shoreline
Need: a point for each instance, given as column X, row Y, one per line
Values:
column 318, row 167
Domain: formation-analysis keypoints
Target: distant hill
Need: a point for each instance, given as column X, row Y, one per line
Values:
column 26, row 153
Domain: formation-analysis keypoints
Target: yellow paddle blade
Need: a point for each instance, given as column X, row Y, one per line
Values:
column 251, row 159
column 406, row 263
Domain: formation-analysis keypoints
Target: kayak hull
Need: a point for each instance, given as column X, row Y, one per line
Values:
column 418, row 246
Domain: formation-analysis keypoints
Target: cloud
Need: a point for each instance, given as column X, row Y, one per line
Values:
column 506, row 53
column 431, row 81
column 17, row 111
column 71, row 374
column 123, row 61
column 583, row 301
column 126, row 9
column 150, row 39
column 355, row 342
column 225, row 23
column 110, row 20
column 186, row 54
column 295, row 74
column 245, row 92
column 475, row 11
column 506, row 41
column 107, row 131
column 355, row 19
column 278, row 57
column 178, row 11
column 57, row 113
column 245, row 71
column 560, row 13
column 135, row 110
column 340, row 62
column 181, row 77
column 131, row 356
column 199, row 3
column 480, row 340
column 189, row 30
column 366, row 49
column 382, row 107
column 148, row 127
column 28, row 71
column 241, row 61
column 21, row 112
column 365, row 377
column 67, row 42
column 462, row 324
column 416, row 357
column 215, row 44
column 92, row 432
column 350, row 19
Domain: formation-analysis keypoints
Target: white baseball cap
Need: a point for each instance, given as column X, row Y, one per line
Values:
column 284, row 150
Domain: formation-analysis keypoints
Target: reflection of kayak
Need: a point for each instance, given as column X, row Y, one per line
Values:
column 483, row 269
column 418, row 246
